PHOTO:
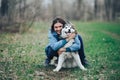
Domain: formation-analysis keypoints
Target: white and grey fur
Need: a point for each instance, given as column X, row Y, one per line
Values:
column 68, row 59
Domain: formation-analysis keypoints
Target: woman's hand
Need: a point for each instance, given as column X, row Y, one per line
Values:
column 70, row 36
column 61, row 50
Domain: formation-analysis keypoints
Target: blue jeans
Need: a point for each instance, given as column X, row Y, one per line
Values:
column 81, row 50
column 50, row 53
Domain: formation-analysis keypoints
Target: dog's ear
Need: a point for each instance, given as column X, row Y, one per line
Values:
column 74, row 28
column 68, row 22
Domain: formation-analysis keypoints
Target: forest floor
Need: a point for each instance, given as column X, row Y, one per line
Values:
column 22, row 55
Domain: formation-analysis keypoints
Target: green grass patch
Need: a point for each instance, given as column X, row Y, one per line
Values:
column 22, row 55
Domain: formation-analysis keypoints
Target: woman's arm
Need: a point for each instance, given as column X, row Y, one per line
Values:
column 54, row 43
column 76, row 45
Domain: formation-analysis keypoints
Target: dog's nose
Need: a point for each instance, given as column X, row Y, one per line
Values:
column 69, row 31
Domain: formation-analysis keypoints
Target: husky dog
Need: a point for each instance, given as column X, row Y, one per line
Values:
column 68, row 59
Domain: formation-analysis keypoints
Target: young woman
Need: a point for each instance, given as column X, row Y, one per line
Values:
column 56, row 43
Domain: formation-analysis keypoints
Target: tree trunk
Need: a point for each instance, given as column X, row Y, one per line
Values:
column 100, row 10
column 4, row 7
column 54, row 8
column 78, row 12
column 109, row 9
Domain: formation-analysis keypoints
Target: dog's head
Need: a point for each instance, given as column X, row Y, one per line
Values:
column 68, row 28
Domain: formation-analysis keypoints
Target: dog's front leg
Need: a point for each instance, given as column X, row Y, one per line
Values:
column 78, row 61
column 60, row 62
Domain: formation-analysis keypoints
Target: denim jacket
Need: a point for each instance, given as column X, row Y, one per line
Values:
column 55, row 42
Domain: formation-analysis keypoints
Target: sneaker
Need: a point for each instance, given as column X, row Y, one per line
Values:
column 86, row 63
column 47, row 63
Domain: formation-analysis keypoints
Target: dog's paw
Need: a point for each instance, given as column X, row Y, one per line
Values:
column 55, row 70
column 84, row 69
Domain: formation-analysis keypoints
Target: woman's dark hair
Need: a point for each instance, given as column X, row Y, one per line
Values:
column 56, row 20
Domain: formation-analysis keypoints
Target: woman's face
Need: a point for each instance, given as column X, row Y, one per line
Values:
column 58, row 27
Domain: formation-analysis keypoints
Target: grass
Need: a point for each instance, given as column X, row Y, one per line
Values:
column 22, row 55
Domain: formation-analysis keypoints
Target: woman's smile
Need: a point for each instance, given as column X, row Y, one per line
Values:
column 58, row 27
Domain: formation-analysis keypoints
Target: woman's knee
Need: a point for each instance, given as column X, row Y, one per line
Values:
column 50, row 51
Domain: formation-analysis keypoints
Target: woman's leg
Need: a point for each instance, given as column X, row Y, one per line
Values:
column 50, row 53
column 81, row 52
